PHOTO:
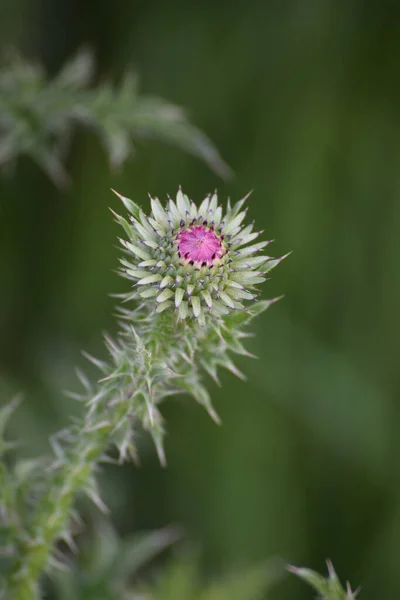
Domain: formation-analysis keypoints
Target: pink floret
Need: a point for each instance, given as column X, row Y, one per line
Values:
column 200, row 245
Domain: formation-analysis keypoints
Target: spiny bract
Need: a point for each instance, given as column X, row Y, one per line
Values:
column 193, row 260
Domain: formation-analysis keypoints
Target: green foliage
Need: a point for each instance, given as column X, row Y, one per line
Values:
column 107, row 567
column 328, row 588
column 37, row 116
column 181, row 581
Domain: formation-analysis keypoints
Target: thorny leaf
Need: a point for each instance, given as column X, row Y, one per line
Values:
column 38, row 116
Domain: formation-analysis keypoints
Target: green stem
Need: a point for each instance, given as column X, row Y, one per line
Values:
column 54, row 511
column 90, row 442
column 136, row 363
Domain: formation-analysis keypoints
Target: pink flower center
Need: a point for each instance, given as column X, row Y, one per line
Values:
column 199, row 244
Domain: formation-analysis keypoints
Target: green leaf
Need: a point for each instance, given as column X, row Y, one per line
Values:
column 180, row 581
column 38, row 115
column 249, row 584
column 136, row 552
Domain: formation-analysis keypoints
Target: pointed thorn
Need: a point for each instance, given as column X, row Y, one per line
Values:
column 293, row 569
column 247, row 196
column 214, row 416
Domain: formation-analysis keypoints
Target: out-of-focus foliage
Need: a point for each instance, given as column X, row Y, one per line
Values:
column 37, row 116
column 108, row 568
column 10, row 489
column 181, row 581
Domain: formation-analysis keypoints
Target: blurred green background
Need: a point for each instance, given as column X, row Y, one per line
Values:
column 302, row 98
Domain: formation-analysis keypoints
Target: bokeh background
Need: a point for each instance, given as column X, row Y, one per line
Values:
column 302, row 98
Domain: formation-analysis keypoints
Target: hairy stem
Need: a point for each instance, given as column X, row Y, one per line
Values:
column 53, row 512
column 85, row 447
column 192, row 271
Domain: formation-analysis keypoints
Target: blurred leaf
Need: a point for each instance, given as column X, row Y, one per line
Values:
column 107, row 568
column 249, row 584
column 181, row 581
column 77, row 72
column 141, row 549
column 107, row 565
column 37, row 117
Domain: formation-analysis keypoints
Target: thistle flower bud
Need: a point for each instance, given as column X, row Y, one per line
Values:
column 194, row 264
column 194, row 260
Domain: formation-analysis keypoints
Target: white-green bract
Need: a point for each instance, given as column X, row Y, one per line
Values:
column 194, row 260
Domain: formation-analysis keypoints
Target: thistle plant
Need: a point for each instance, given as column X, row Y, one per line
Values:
column 328, row 588
column 194, row 272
